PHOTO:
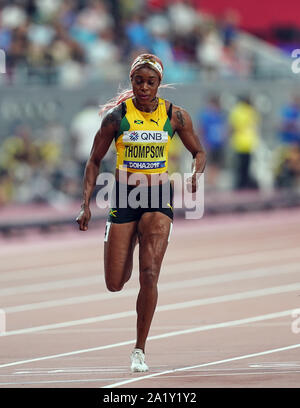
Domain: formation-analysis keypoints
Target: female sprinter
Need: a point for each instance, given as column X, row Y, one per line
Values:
column 142, row 125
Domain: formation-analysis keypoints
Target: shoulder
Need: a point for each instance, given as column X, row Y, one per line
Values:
column 181, row 118
column 113, row 117
column 176, row 113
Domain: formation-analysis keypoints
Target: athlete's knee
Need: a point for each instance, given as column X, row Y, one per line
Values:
column 114, row 285
column 149, row 277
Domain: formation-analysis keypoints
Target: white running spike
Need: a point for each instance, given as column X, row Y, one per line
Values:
column 138, row 364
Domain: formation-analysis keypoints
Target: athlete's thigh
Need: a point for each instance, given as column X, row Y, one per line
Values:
column 153, row 233
column 119, row 245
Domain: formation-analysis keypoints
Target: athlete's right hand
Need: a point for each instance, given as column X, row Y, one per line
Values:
column 83, row 218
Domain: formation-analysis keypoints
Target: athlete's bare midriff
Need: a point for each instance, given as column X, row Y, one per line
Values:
column 137, row 179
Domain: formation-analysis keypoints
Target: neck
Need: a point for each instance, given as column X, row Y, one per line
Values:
column 150, row 106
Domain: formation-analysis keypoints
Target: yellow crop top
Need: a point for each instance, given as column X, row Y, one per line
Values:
column 143, row 140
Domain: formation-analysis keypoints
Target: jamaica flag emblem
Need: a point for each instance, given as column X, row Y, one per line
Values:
column 139, row 122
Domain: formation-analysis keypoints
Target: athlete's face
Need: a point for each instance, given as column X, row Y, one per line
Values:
column 145, row 82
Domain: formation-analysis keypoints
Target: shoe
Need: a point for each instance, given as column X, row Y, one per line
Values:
column 138, row 364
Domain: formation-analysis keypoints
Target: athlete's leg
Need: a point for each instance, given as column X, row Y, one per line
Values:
column 153, row 232
column 118, row 254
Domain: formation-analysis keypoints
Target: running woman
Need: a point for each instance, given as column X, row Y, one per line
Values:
column 142, row 126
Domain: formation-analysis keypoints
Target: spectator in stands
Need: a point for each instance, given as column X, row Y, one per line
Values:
column 244, row 120
column 138, row 34
column 209, row 50
column 16, row 54
column 64, row 42
column 27, row 164
column 103, row 56
column 83, row 128
column 213, row 130
column 290, row 122
column 229, row 27
column 183, row 17
column 95, row 17
column 6, row 187
column 288, row 172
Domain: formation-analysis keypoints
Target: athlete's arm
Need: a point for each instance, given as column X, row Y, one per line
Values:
column 103, row 138
column 182, row 124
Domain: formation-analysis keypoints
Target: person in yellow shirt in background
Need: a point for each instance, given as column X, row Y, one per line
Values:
column 244, row 120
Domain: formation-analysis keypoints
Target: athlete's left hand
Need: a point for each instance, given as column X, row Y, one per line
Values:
column 192, row 183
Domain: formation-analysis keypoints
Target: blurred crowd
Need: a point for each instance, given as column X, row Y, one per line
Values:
column 70, row 42
column 47, row 165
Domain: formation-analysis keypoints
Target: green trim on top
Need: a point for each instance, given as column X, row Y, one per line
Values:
column 124, row 125
column 168, row 128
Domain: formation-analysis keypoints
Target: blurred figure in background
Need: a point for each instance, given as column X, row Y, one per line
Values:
column 6, row 188
column 287, row 172
column 209, row 50
column 290, row 122
column 83, row 128
column 27, row 164
column 213, row 130
column 244, row 120
column 137, row 33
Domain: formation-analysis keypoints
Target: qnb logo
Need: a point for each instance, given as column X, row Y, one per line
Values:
column 295, row 326
column 156, row 136
column 296, row 63
column 134, row 136
column 2, row 322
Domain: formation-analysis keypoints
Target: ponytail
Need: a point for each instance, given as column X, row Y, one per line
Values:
column 117, row 100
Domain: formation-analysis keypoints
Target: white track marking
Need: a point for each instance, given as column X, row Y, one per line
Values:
column 187, row 267
column 87, row 380
column 207, row 263
column 205, row 280
column 45, row 286
column 91, row 380
column 174, row 306
column 53, row 270
column 68, row 370
column 208, row 224
column 240, row 259
column 214, row 326
column 227, row 360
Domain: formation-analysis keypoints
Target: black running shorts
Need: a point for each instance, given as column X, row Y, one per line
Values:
column 129, row 203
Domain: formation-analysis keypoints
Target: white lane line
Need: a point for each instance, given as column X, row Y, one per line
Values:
column 230, row 374
column 205, row 280
column 53, row 270
column 227, row 360
column 91, row 380
column 243, row 259
column 45, row 286
column 174, row 306
column 168, row 269
column 231, row 323
column 262, row 221
column 208, row 263
column 87, row 380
